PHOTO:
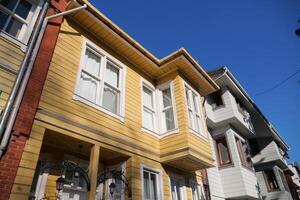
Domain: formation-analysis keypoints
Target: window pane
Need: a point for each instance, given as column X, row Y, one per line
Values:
column 110, row 99
column 87, row 87
column 154, row 186
column 148, row 121
column 23, row 9
column 187, row 97
column 112, row 75
column 224, row 151
column 3, row 19
column 195, row 100
column 195, row 192
column 9, row 4
column 175, row 190
column 190, row 118
column 146, row 186
column 197, row 124
column 167, row 101
column 14, row 27
column 92, row 63
column 169, row 117
column 147, row 97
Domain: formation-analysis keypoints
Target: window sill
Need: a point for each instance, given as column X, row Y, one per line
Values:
column 198, row 134
column 82, row 100
column 15, row 41
column 225, row 166
column 218, row 107
column 248, row 168
column 173, row 131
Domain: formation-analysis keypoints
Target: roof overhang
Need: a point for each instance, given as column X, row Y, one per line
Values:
column 94, row 22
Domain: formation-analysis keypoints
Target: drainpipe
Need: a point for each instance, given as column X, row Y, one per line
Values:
column 38, row 35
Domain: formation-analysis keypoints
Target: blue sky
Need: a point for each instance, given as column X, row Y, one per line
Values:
column 254, row 39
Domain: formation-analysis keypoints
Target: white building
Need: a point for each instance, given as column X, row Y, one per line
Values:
column 249, row 153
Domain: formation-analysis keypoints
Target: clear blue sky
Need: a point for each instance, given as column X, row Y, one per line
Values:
column 254, row 39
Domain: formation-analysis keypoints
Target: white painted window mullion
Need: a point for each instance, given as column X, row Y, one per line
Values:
column 102, row 74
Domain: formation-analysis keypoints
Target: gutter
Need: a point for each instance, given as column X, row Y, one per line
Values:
column 24, row 74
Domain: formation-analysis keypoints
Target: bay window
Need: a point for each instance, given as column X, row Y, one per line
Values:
column 100, row 81
column 194, row 110
column 158, row 108
column 17, row 17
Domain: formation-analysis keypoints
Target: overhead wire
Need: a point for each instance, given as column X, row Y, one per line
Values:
column 277, row 85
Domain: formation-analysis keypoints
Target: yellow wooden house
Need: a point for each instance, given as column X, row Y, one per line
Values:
column 135, row 124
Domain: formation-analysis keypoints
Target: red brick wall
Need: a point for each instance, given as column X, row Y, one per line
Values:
column 10, row 161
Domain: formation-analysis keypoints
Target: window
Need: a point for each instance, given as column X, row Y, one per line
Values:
column 270, row 180
column 223, row 153
column 148, row 108
column 100, row 81
column 151, row 185
column 158, row 108
column 284, row 181
column 197, row 193
column 167, row 110
column 177, row 188
column 17, row 17
column 244, row 152
column 216, row 99
column 194, row 110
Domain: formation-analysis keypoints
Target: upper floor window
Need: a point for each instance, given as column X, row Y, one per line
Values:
column 195, row 116
column 151, row 184
column 244, row 152
column 158, row 108
column 216, row 99
column 100, row 81
column 271, row 181
column 223, row 153
column 17, row 18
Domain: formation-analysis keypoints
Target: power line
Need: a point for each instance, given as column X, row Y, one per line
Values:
column 278, row 84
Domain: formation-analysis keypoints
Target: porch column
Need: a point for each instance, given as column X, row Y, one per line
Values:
column 93, row 170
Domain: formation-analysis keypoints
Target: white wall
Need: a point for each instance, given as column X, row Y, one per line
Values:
column 214, row 178
column 267, row 154
column 237, row 181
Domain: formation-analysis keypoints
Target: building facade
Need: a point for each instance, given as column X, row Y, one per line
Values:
column 230, row 126
column 89, row 113
column 250, row 154
column 108, row 120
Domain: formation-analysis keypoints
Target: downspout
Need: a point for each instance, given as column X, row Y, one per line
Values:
column 39, row 33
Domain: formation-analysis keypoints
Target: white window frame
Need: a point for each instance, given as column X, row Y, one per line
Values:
column 105, row 57
column 203, row 129
column 199, row 188
column 28, row 24
column 159, row 180
column 182, row 187
column 159, row 123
